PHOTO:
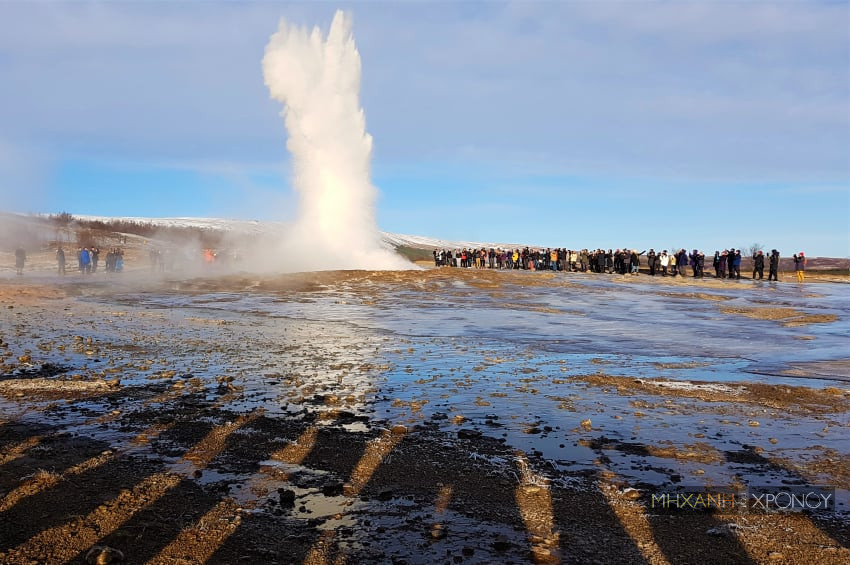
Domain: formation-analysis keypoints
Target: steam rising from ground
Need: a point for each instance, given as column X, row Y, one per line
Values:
column 317, row 79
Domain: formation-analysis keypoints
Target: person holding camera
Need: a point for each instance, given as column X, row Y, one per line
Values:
column 800, row 266
column 773, row 274
column 758, row 265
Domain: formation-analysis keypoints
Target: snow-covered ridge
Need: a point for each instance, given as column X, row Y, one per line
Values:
column 256, row 227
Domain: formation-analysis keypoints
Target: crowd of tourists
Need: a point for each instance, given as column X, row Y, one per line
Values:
column 88, row 260
column 726, row 264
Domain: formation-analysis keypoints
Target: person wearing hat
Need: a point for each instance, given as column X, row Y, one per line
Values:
column 800, row 266
column 774, row 266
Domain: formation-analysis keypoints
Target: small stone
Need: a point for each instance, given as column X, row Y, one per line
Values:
column 438, row 532
column 586, row 425
column 333, row 489
column 775, row 556
column 398, row 430
column 467, row 433
column 631, row 494
column 287, row 498
column 753, row 423
column 103, row 555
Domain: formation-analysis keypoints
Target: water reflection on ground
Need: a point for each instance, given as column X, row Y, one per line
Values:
column 500, row 352
column 506, row 354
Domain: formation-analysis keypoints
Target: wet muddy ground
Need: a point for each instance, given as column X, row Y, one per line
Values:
column 438, row 416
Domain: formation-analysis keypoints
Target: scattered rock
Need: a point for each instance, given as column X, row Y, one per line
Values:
column 586, row 425
column 775, row 556
column 333, row 489
column 631, row 493
column 467, row 433
column 724, row 530
column 103, row 555
column 287, row 497
column 438, row 532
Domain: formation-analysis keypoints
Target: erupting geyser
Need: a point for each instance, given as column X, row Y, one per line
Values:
column 318, row 80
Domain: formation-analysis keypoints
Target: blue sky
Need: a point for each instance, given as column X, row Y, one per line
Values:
column 700, row 124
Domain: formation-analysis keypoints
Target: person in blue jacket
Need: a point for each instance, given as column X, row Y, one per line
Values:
column 85, row 260
column 736, row 265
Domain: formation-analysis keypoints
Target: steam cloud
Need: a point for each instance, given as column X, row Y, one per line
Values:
column 317, row 79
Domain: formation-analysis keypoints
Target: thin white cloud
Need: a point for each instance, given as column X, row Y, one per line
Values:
column 699, row 89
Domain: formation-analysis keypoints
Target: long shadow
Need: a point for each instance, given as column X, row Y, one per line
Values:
column 482, row 517
column 71, row 498
column 54, row 453
column 12, row 434
column 682, row 536
column 282, row 535
column 78, row 495
column 748, row 455
column 145, row 535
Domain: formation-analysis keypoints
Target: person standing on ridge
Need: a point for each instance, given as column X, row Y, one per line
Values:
column 60, row 260
column 800, row 266
column 85, row 260
column 734, row 260
column 20, row 260
column 758, row 265
column 774, row 266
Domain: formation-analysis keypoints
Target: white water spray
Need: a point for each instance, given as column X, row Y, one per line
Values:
column 318, row 80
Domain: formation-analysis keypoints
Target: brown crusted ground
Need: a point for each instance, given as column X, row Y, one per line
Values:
column 782, row 397
column 789, row 316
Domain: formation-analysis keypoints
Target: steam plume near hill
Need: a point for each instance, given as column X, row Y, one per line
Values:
column 317, row 78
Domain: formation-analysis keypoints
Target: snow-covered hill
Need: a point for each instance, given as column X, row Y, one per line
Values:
column 255, row 227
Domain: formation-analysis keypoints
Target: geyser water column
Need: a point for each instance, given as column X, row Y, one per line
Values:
column 318, row 80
